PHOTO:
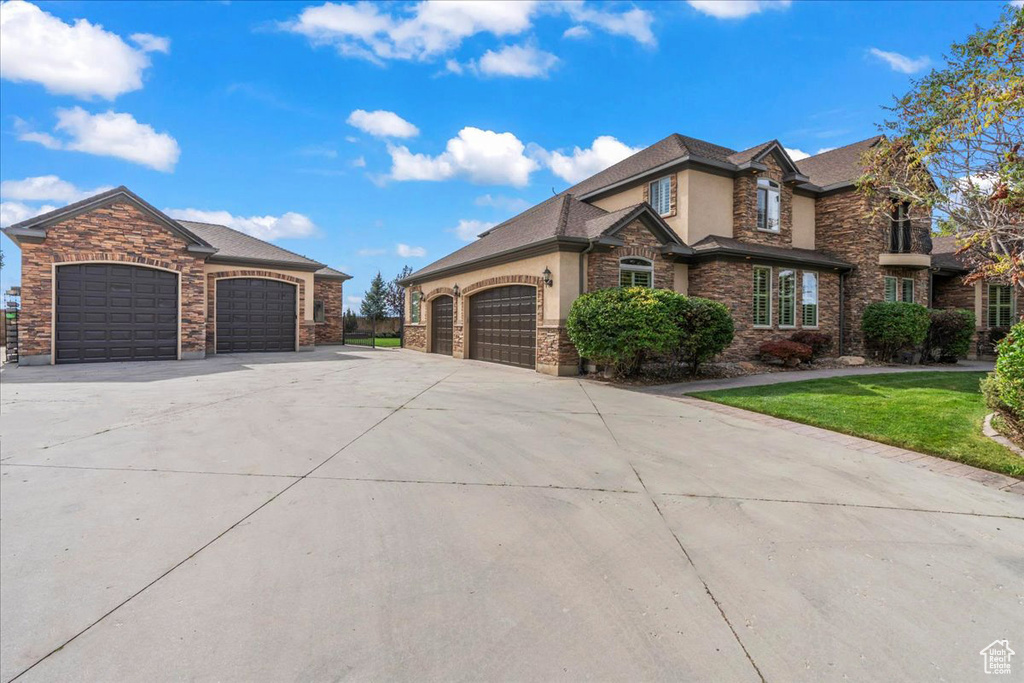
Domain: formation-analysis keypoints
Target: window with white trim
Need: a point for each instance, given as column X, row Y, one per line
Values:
column 787, row 298
column 414, row 308
column 636, row 272
column 661, row 195
column 891, row 285
column 809, row 302
column 762, row 296
column 907, row 290
column 1000, row 306
column 767, row 205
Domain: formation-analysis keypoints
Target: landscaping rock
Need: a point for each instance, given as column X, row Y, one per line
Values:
column 746, row 366
column 851, row 360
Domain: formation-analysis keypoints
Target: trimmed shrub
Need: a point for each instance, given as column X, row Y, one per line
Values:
column 893, row 326
column 1009, row 375
column 819, row 342
column 949, row 335
column 620, row 327
column 789, row 352
column 705, row 329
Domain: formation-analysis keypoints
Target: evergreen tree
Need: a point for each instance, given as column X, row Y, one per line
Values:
column 374, row 306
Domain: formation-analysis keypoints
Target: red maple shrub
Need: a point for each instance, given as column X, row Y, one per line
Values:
column 789, row 352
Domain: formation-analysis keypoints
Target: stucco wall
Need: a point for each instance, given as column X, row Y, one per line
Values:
column 803, row 222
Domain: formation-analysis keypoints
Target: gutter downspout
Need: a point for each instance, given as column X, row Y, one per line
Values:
column 583, row 258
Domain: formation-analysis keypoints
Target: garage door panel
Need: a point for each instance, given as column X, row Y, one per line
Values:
column 503, row 325
column 108, row 312
column 255, row 315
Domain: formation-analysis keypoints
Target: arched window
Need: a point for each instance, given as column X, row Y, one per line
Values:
column 636, row 272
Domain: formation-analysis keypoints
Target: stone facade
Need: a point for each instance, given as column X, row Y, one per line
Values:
column 414, row 336
column 744, row 207
column 603, row 266
column 330, row 331
column 732, row 283
column 306, row 327
column 846, row 229
column 101, row 235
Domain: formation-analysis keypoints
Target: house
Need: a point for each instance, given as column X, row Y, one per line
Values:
column 994, row 303
column 786, row 245
column 111, row 278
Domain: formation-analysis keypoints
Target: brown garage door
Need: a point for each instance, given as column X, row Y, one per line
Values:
column 114, row 312
column 255, row 315
column 503, row 325
column 442, row 316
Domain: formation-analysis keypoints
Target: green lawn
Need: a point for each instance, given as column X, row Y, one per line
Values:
column 381, row 341
column 930, row 412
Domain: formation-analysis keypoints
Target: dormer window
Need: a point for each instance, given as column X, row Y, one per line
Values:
column 660, row 193
column 636, row 272
column 767, row 205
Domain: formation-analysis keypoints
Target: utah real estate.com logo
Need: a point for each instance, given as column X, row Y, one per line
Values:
column 997, row 655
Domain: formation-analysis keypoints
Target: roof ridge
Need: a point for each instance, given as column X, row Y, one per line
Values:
column 563, row 214
column 522, row 213
column 873, row 139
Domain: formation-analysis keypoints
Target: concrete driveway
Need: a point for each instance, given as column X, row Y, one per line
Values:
column 351, row 514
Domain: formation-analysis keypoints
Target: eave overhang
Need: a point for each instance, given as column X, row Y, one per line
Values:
column 545, row 246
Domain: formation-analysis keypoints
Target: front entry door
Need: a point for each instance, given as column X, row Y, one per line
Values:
column 442, row 317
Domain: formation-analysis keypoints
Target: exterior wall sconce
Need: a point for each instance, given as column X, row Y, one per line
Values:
column 547, row 277
column 455, row 291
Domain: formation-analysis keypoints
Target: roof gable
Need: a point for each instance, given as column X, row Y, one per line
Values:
column 34, row 229
column 237, row 247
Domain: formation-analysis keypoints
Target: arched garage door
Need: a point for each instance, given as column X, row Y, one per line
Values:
column 115, row 312
column 503, row 325
column 255, row 315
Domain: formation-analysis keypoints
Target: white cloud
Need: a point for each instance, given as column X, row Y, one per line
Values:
column 518, row 61
column 358, row 162
column 80, row 59
column 147, row 42
column 635, row 23
column 453, row 66
column 364, row 253
column 382, row 124
column 483, row 157
column 45, row 187
column 430, row 29
column 901, row 63
column 354, row 301
column 264, row 227
column 16, row 212
column 583, row 163
column 467, row 230
column 577, row 31
column 108, row 134
column 796, row 154
column 1017, row 3
column 405, row 251
column 324, row 151
column 736, row 9
column 513, row 204
column 825, row 149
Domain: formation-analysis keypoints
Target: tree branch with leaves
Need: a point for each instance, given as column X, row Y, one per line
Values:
column 954, row 146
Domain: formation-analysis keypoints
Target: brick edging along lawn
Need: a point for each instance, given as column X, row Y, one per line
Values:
column 935, row 464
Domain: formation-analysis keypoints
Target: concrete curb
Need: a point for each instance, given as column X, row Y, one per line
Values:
column 950, row 468
column 991, row 432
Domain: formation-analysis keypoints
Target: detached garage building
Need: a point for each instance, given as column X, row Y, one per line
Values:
column 111, row 278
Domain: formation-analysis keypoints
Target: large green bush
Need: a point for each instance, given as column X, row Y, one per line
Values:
column 949, row 335
column 705, row 329
column 893, row 326
column 1009, row 375
column 620, row 327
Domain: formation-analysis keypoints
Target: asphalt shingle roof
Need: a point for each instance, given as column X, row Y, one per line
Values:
column 331, row 273
column 944, row 253
column 713, row 243
column 231, row 243
column 840, row 165
column 673, row 147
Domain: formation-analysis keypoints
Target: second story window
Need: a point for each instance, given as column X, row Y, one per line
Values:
column 899, row 228
column 636, row 272
column 767, row 205
column 661, row 195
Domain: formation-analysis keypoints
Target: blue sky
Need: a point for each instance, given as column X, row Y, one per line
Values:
column 373, row 136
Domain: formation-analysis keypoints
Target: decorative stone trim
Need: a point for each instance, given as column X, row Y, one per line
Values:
column 67, row 258
column 306, row 328
column 501, row 281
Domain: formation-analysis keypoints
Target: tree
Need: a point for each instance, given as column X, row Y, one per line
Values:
column 954, row 147
column 351, row 323
column 374, row 306
column 395, row 294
